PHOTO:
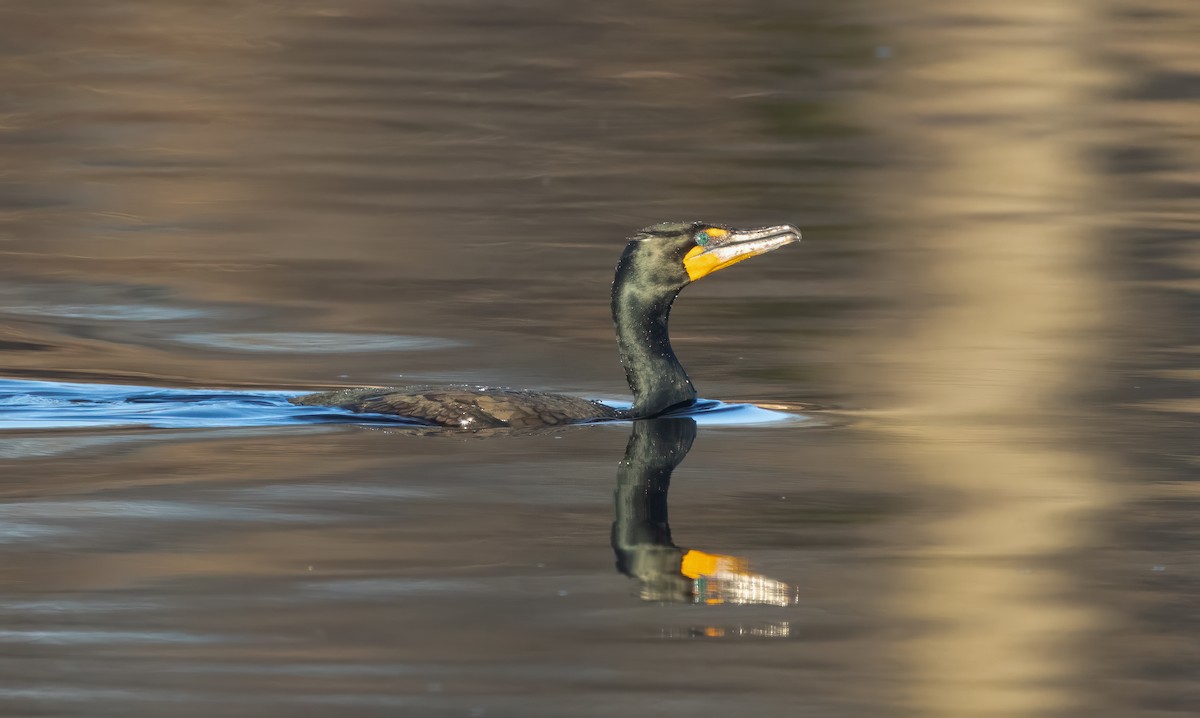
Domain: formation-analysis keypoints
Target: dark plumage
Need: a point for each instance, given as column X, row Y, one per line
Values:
column 466, row 407
column 657, row 263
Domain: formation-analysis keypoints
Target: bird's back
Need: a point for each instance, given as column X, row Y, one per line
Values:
column 466, row 407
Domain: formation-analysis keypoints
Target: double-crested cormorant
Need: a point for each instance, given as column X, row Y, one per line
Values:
column 658, row 262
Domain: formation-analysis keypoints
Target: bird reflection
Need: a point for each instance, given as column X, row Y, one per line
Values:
column 641, row 534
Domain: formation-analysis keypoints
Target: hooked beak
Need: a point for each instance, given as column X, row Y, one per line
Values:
column 735, row 245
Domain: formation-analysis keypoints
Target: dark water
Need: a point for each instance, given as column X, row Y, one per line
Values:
column 207, row 205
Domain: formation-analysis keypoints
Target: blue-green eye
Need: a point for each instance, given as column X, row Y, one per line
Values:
column 701, row 238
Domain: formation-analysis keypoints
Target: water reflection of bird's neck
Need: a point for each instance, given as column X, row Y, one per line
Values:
column 641, row 535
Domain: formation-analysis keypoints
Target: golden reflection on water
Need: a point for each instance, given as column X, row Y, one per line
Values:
column 1005, row 303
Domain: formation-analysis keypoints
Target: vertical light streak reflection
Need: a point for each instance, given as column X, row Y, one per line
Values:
column 994, row 207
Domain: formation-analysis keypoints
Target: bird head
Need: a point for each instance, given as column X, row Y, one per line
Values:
column 679, row 253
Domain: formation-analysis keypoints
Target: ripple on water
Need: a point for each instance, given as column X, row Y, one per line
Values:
column 106, row 312
column 96, row 302
column 719, row 413
column 314, row 342
column 101, row 637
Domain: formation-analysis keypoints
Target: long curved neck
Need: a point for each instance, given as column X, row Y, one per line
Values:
column 655, row 376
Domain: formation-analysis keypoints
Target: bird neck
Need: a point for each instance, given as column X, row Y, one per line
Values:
column 655, row 376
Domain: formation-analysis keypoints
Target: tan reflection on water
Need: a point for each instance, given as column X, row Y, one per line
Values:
column 1003, row 300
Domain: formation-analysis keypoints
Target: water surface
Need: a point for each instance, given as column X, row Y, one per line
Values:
column 204, row 207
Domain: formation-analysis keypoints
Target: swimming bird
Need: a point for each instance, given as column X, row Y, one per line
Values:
column 657, row 264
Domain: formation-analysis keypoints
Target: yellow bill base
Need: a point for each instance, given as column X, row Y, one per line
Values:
column 699, row 263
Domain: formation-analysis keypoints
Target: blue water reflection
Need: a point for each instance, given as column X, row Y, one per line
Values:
column 61, row 405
